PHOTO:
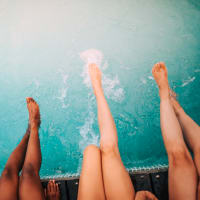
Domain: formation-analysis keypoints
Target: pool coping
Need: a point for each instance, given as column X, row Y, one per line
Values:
column 131, row 172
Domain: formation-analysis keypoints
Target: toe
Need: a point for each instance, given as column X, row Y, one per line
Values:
column 53, row 186
column 57, row 188
column 27, row 99
column 158, row 67
column 49, row 186
column 32, row 100
column 154, row 69
column 45, row 193
column 162, row 65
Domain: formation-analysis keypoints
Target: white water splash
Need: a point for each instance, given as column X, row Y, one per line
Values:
column 143, row 80
column 189, row 80
column 64, row 77
column 37, row 83
column 64, row 89
column 112, row 88
column 87, row 132
column 150, row 77
column 92, row 56
column 105, row 66
column 63, row 95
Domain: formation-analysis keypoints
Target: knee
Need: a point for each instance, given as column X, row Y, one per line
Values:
column 180, row 157
column 9, row 172
column 91, row 149
column 108, row 147
column 28, row 171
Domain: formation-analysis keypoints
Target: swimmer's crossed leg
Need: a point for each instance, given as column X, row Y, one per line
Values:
column 182, row 171
column 191, row 132
column 30, row 187
column 10, row 175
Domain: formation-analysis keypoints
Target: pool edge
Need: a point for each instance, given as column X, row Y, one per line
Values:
column 130, row 171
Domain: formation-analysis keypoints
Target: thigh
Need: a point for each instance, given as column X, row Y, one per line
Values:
column 182, row 176
column 30, row 187
column 91, row 180
column 197, row 165
column 117, row 182
column 8, row 185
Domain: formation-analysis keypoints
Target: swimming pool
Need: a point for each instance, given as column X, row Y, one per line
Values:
column 41, row 43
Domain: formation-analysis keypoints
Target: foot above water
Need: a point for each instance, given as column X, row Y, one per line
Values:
column 95, row 76
column 34, row 112
column 159, row 72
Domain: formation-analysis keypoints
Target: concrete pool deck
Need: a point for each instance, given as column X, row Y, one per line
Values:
column 154, row 181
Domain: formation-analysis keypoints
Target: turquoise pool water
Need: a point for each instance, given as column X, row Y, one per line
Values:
column 40, row 47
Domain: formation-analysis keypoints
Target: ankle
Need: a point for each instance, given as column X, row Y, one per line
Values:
column 98, row 91
column 34, row 125
column 164, row 94
column 179, row 111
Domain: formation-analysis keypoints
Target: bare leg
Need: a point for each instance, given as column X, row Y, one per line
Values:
column 52, row 192
column 91, row 181
column 30, row 185
column 182, row 172
column 9, row 177
column 117, row 182
column 191, row 132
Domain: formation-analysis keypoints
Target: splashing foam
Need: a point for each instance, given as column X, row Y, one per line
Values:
column 90, row 56
column 189, row 80
column 111, row 85
column 87, row 133
column 63, row 90
column 112, row 88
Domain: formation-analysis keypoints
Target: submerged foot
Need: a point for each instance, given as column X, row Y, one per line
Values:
column 95, row 76
column 159, row 72
column 52, row 191
column 34, row 112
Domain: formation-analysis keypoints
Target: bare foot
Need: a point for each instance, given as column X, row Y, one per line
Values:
column 34, row 112
column 52, row 191
column 177, row 107
column 159, row 72
column 145, row 195
column 95, row 76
